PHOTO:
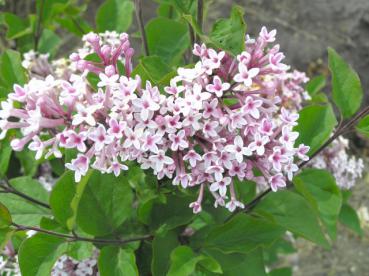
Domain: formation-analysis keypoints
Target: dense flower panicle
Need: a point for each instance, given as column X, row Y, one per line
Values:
column 345, row 169
column 291, row 90
column 218, row 120
column 335, row 158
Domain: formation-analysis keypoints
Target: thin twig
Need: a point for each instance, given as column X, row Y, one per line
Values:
column 200, row 16
column 170, row 13
column 138, row 8
column 38, row 32
column 79, row 27
column 340, row 130
column 192, row 40
column 7, row 188
column 74, row 238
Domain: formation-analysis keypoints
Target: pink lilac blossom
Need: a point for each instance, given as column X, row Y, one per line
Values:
column 345, row 168
column 335, row 158
column 38, row 66
column 291, row 90
column 216, row 121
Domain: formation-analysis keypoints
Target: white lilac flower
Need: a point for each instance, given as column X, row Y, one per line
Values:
column 202, row 132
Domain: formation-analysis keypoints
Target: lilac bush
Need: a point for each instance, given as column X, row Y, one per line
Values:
column 118, row 154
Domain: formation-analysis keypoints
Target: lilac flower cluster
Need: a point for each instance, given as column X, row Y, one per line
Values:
column 9, row 261
column 291, row 90
column 335, row 158
column 216, row 121
column 346, row 169
column 67, row 266
column 39, row 66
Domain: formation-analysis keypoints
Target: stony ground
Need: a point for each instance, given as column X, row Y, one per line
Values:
column 307, row 28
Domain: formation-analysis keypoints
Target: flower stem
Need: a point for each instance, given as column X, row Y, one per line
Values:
column 38, row 31
column 200, row 16
column 192, row 41
column 7, row 188
column 138, row 8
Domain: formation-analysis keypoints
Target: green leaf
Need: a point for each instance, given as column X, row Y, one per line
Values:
column 167, row 38
column 246, row 190
column 114, row 15
column 5, row 154
column 315, row 85
column 319, row 98
column 162, row 246
column 17, row 27
column 184, row 261
column 61, row 196
column 22, row 210
column 183, row 6
column 237, row 264
column 49, row 42
column 38, row 254
column 204, row 38
column 166, row 10
column 363, row 126
column 229, row 34
column 210, row 264
column 151, row 68
column 144, row 258
column 49, row 9
column 26, row 43
column 11, row 70
column 115, row 261
column 57, row 166
column 65, row 197
column 109, row 199
column 242, row 234
column 5, row 217
column 349, row 217
column 5, row 235
column 320, row 189
column 346, row 194
column 80, row 250
column 280, row 247
column 346, row 86
column 49, row 223
column 17, row 238
column 77, row 26
column 145, row 207
column 293, row 212
column 315, row 125
column 171, row 214
column 93, row 80
column 28, row 162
